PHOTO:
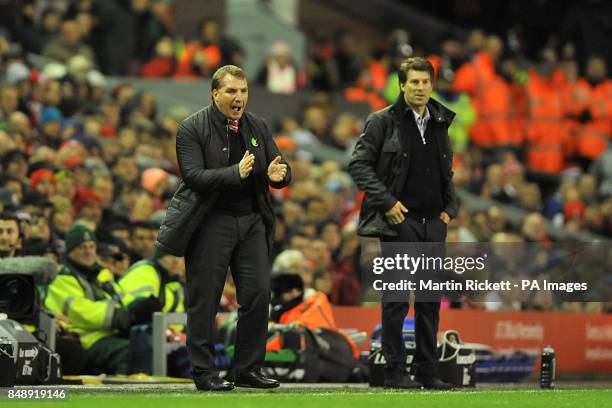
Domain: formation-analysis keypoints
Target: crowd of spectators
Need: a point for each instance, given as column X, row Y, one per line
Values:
column 530, row 134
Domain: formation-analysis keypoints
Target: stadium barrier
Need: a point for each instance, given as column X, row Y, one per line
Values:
column 582, row 341
column 161, row 346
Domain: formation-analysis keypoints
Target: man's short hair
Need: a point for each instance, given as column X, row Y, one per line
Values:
column 11, row 216
column 415, row 64
column 13, row 156
column 148, row 225
column 222, row 72
column 8, row 178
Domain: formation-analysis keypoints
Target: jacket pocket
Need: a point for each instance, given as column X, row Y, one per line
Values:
column 387, row 160
column 183, row 216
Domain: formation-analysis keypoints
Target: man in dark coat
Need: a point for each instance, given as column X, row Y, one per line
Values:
column 403, row 161
column 220, row 216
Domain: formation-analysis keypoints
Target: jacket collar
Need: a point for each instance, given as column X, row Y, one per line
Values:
column 438, row 112
column 90, row 273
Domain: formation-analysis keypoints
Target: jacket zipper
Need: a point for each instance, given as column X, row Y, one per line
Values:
column 227, row 141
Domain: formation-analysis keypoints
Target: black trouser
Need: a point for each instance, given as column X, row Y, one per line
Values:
column 240, row 243
column 72, row 354
column 426, row 314
column 109, row 355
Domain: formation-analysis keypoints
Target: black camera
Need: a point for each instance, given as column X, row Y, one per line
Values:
column 23, row 358
column 19, row 278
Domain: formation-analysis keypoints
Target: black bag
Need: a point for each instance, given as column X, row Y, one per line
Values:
column 24, row 359
column 319, row 355
column 298, row 359
column 336, row 361
column 455, row 361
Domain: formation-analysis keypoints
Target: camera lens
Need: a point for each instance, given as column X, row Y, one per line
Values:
column 17, row 296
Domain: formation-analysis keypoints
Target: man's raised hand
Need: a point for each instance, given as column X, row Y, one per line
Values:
column 246, row 164
column 277, row 170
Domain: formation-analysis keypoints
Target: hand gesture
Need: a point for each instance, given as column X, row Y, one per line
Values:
column 396, row 214
column 277, row 170
column 445, row 217
column 246, row 164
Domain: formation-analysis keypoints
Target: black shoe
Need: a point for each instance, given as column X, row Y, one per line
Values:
column 401, row 380
column 255, row 379
column 213, row 383
column 435, row 383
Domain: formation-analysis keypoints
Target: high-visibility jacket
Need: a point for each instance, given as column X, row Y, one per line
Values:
column 574, row 99
column 392, row 88
column 589, row 139
column 492, row 100
column 146, row 278
column 436, row 62
column 212, row 54
column 363, row 94
column 88, row 303
column 481, row 68
column 315, row 312
column 519, row 109
column 546, row 138
column 458, row 132
column 379, row 74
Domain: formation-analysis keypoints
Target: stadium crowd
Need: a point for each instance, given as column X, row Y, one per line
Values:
column 82, row 163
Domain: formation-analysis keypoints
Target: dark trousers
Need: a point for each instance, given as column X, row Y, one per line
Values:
column 240, row 243
column 426, row 314
column 109, row 355
column 72, row 354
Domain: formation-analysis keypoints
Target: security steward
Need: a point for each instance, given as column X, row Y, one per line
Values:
column 95, row 310
column 156, row 276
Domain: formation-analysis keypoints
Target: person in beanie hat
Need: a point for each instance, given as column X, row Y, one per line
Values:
column 287, row 286
column 77, row 235
column 88, row 205
column 93, row 304
column 43, row 181
column 287, row 293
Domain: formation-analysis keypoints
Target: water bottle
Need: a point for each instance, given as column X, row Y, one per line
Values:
column 547, row 371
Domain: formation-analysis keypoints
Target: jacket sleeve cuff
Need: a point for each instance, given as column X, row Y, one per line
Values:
column 450, row 211
column 389, row 203
column 236, row 175
column 277, row 184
